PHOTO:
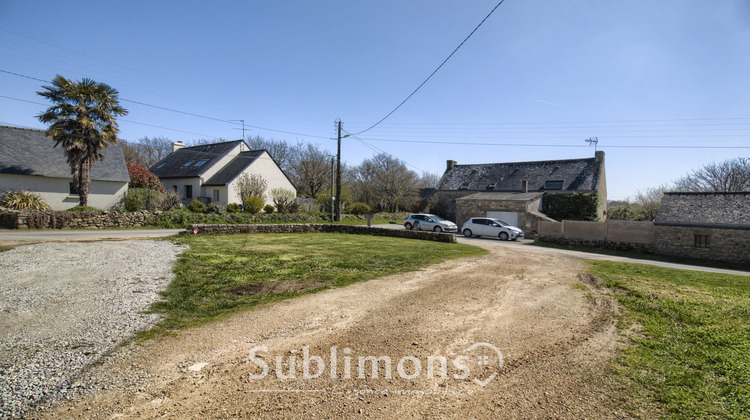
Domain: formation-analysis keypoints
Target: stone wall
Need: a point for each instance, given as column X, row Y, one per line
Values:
column 729, row 245
column 315, row 227
column 78, row 220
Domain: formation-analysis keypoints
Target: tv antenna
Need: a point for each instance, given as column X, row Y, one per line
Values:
column 243, row 127
column 592, row 140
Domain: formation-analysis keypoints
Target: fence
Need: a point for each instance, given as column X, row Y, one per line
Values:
column 616, row 234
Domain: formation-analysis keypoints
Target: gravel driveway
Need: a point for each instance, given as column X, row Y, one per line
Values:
column 64, row 306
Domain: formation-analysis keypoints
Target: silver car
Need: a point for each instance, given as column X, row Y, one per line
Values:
column 425, row 221
column 486, row 226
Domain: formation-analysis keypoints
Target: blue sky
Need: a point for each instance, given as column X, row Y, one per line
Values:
column 536, row 80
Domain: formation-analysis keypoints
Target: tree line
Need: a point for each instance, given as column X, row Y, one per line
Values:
column 382, row 182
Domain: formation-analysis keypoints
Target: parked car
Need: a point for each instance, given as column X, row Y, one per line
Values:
column 424, row 221
column 486, row 226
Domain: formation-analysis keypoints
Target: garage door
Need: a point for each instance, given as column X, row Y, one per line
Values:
column 506, row 216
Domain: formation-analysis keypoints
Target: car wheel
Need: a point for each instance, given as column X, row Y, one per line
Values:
column 504, row 236
column 438, row 229
column 408, row 226
column 417, row 226
column 467, row 233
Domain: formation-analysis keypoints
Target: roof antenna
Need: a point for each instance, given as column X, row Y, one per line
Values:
column 592, row 140
column 243, row 127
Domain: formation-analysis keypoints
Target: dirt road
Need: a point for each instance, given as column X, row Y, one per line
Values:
column 553, row 328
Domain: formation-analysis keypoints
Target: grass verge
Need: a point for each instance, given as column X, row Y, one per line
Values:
column 691, row 357
column 221, row 274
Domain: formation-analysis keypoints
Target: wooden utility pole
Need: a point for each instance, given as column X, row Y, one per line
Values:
column 338, row 175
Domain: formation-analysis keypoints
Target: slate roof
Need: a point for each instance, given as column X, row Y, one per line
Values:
column 182, row 163
column 25, row 151
column 235, row 167
column 577, row 175
column 718, row 210
column 507, row 196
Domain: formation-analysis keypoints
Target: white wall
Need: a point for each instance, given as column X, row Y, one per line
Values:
column 56, row 191
column 267, row 168
column 180, row 183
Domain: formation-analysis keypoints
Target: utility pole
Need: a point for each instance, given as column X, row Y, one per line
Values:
column 332, row 183
column 338, row 174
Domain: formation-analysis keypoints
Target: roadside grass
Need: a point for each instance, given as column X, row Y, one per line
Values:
column 691, row 353
column 645, row 256
column 221, row 274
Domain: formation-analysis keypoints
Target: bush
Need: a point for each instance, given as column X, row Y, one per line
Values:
column 141, row 177
column 283, row 200
column 169, row 200
column 138, row 199
column 215, row 208
column 23, row 200
column 575, row 206
column 359, row 208
column 269, row 208
column 196, row 206
column 253, row 204
column 233, row 208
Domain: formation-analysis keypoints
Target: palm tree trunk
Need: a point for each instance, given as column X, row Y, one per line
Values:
column 84, row 181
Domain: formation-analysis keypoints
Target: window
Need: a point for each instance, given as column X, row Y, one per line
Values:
column 216, row 195
column 492, row 186
column 701, row 241
column 464, row 186
column 188, row 191
column 201, row 162
column 187, row 163
column 553, row 185
column 160, row 165
column 73, row 191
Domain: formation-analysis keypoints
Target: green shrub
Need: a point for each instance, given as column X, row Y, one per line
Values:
column 215, row 208
column 575, row 206
column 253, row 204
column 138, row 199
column 79, row 209
column 23, row 200
column 196, row 206
column 359, row 208
column 269, row 209
column 233, row 208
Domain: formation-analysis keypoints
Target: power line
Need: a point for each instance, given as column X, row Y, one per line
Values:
column 435, row 71
column 467, row 143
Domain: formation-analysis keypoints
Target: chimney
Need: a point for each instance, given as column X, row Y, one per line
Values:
column 451, row 164
column 525, row 186
column 177, row 146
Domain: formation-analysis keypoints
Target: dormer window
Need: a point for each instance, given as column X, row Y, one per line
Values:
column 492, row 186
column 553, row 185
column 464, row 186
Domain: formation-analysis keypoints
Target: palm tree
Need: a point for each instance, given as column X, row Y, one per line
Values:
column 82, row 121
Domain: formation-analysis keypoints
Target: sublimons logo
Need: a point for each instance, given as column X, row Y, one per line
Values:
column 342, row 364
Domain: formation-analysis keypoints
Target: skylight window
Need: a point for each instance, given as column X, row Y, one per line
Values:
column 553, row 185
column 187, row 163
column 201, row 162
column 160, row 165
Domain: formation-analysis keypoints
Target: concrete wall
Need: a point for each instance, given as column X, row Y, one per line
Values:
column 56, row 191
column 730, row 245
column 302, row 228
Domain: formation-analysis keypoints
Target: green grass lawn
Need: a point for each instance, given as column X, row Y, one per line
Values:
column 691, row 353
column 221, row 274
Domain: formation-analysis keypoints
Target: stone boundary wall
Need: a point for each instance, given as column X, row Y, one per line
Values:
column 616, row 234
column 319, row 227
column 63, row 219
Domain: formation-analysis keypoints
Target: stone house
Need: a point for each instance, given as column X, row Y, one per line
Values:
column 514, row 192
column 29, row 162
column 211, row 172
column 714, row 226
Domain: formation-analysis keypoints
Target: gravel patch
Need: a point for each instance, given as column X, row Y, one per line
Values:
column 67, row 306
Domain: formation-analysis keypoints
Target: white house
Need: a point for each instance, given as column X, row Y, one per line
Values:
column 211, row 172
column 29, row 162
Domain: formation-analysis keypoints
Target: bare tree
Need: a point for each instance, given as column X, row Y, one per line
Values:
column 732, row 175
column 310, row 170
column 251, row 185
column 428, row 180
column 386, row 183
column 282, row 152
column 153, row 149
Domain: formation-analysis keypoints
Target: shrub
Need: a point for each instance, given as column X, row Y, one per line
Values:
column 141, row 177
column 215, row 208
column 138, row 199
column 196, row 206
column 359, row 208
column 23, row 200
column 575, row 206
column 233, row 208
column 253, row 204
column 283, row 199
column 169, row 200
column 269, row 209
